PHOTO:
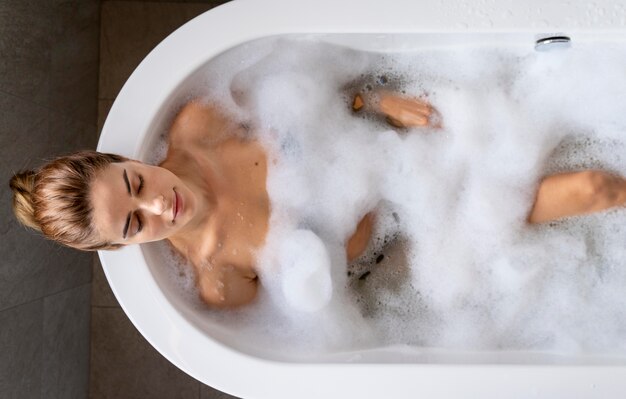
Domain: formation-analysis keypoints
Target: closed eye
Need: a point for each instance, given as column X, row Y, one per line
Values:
column 139, row 223
column 140, row 184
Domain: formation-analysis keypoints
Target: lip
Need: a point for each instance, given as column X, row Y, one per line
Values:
column 177, row 205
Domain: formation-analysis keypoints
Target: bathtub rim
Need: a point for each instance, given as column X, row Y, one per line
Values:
column 191, row 351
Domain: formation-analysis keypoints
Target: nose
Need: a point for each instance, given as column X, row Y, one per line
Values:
column 155, row 205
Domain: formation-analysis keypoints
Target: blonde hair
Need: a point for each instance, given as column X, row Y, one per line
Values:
column 55, row 199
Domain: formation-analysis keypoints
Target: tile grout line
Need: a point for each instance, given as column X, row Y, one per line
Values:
column 43, row 342
column 52, row 110
column 22, row 304
column 196, row 2
column 89, row 349
column 118, row 306
column 41, row 298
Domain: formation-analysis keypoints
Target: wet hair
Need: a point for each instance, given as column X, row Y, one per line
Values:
column 55, row 199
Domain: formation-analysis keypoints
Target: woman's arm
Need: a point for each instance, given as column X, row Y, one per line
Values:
column 200, row 123
column 227, row 286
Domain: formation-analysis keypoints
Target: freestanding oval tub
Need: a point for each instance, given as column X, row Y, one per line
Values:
column 203, row 350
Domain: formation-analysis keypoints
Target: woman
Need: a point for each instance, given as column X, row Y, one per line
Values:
column 208, row 197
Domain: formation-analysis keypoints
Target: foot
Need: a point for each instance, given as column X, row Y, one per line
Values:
column 401, row 111
column 405, row 111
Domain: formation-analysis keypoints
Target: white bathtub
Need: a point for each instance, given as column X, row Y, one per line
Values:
column 205, row 351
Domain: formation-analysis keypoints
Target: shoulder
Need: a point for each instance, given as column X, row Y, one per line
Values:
column 199, row 121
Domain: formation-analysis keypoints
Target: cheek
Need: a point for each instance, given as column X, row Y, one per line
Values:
column 157, row 228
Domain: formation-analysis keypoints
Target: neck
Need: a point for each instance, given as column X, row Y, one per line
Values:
column 199, row 179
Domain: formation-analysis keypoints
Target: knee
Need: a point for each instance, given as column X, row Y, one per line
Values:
column 592, row 183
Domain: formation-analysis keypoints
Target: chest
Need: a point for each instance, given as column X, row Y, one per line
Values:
column 240, row 219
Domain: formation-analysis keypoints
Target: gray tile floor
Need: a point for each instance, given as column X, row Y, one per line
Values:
column 123, row 364
column 48, row 103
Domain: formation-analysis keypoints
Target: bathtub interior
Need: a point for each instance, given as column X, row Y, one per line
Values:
column 203, row 319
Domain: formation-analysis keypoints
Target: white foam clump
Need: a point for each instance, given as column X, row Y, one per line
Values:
column 305, row 270
column 478, row 275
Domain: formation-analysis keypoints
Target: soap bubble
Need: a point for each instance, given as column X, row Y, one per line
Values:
column 305, row 267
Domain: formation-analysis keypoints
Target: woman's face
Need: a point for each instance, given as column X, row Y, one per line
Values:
column 135, row 203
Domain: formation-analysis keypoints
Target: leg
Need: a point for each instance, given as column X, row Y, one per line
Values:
column 360, row 238
column 578, row 193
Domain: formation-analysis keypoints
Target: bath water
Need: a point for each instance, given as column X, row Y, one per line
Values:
column 452, row 262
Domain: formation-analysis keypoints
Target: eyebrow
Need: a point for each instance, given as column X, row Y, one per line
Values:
column 125, row 232
column 127, row 182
